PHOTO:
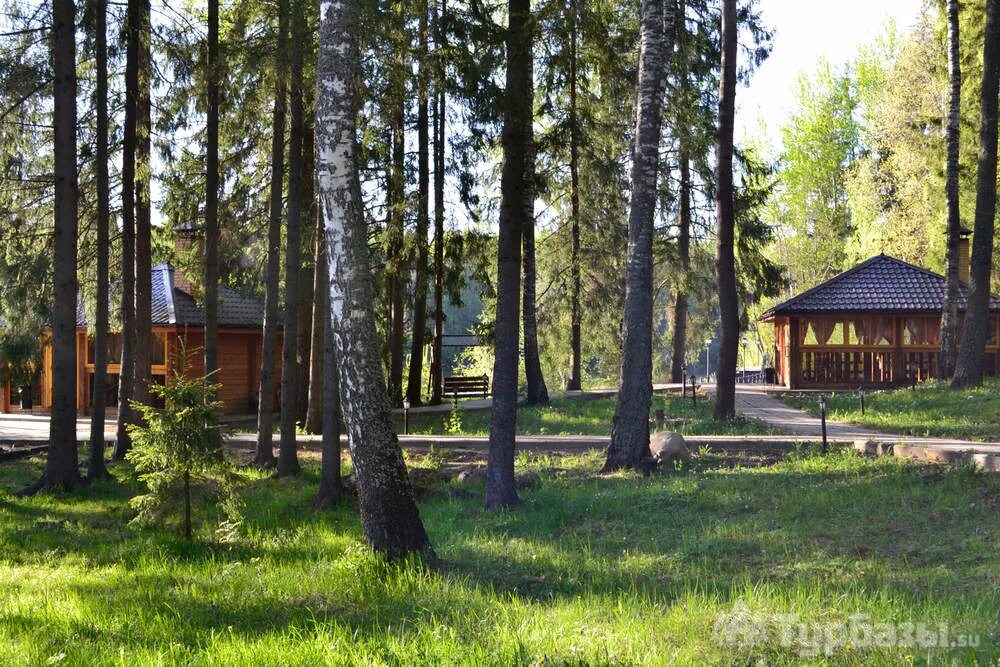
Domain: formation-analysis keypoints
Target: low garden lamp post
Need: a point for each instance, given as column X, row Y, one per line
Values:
column 406, row 416
column 743, row 349
column 684, row 381
column 861, row 397
column 822, row 419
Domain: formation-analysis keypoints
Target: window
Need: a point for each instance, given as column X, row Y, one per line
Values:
column 808, row 334
column 114, row 348
column 922, row 331
column 159, row 349
column 110, row 390
column 868, row 331
column 821, row 331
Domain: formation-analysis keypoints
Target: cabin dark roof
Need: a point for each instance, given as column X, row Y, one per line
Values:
column 879, row 284
column 173, row 306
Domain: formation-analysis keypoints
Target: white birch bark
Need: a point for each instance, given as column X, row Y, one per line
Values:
column 389, row 514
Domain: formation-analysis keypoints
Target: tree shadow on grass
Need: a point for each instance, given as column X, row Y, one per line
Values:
column 608, row 540
column 519, row 556
column 93, row 522
column 571, row 538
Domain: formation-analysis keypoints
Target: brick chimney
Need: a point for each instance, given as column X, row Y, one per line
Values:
column 189, row 251
column 963, row 257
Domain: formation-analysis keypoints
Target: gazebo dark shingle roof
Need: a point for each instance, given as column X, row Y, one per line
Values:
column 880, row 284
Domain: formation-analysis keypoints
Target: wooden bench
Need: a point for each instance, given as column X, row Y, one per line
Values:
column 463, row 386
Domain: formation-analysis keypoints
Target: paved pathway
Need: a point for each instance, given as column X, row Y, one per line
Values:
column 757, row 403
column 790, row 425
column 18, row 426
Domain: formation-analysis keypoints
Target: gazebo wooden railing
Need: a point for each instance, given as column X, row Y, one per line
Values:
column 867, row 366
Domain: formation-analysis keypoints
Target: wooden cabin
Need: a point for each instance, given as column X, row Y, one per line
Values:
column 178, row 323
column 874, row 325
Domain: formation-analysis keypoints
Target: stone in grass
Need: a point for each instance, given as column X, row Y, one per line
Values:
column 870, row 447
column 475, row 475
column 668, row 447
column 528, row 480
column 425, row 479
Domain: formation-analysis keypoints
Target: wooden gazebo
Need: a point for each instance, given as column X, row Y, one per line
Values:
column 874, row 325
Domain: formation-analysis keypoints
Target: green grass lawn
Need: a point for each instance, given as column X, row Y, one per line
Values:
column 590, row 570
column 585, row 416
column 932, row 409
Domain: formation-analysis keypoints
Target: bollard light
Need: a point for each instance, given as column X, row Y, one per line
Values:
column 822, row 419
column 406, row 416
column 684, row 381
column 861, row 397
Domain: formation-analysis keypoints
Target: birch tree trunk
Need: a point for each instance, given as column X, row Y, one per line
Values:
column 392, row 524
column 630, row 428
column 725, row 258
column 96, row 468
column 975, row 329
column 264, row 455
column 949, row 313
column 61, row 464
column 288, row 459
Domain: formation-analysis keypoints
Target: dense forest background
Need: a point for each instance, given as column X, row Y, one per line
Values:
column 857, row 169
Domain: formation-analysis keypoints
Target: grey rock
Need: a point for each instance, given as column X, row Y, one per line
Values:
column 668, row 446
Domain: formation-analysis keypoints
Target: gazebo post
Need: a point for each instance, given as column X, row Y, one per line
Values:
column 898, row 362
column 794, row 358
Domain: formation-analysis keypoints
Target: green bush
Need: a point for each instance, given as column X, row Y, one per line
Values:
column 179, row 451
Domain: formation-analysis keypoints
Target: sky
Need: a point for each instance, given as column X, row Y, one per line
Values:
column 805, row 30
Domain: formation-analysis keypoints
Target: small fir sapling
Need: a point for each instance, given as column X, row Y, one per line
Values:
column 179, row 452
